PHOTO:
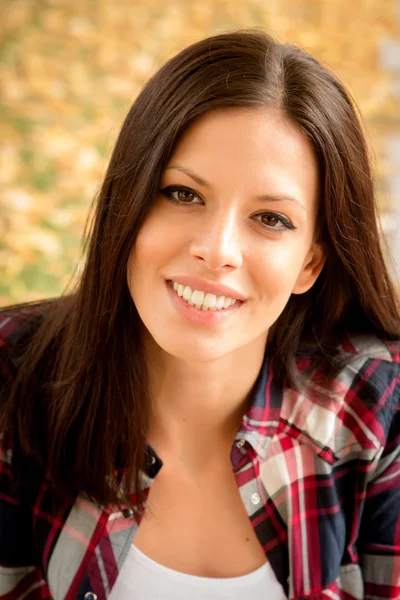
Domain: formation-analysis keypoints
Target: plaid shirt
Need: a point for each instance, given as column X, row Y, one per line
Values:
column 319, row 475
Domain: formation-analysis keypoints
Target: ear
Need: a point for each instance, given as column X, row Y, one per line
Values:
column 312, row 267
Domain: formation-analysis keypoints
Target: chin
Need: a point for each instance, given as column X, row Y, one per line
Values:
column 194, row 351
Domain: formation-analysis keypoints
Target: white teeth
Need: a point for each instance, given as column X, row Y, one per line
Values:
column 227, row 302
column 197, row 297
column 220, row 302
column 210, row 300
column 187, row 292
column 201, row 300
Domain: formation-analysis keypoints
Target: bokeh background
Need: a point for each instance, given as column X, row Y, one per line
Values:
column 69, row 71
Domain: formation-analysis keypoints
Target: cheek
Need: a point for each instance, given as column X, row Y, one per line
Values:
column 159, row 236
column 154, row 245
column 150, row 245
column 138, row 258
column 281, row 266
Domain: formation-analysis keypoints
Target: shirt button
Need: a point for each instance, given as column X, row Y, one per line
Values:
column 90, row 596
column 126, row 513
column 240, row 443
column 255, row 498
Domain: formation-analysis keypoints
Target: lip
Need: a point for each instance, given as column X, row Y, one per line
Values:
column 207, row 286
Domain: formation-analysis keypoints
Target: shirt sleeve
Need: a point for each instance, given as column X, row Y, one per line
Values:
column 379, row 540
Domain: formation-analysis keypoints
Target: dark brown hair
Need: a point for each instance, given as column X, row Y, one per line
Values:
column 83, row 376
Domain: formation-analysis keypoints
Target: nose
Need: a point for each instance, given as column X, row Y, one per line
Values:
column 216, row 242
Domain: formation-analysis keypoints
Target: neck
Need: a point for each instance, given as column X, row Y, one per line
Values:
column 197, row 407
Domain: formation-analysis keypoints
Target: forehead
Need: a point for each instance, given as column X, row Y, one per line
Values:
column 256, row 149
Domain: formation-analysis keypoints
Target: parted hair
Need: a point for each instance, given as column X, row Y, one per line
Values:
column 78, row 408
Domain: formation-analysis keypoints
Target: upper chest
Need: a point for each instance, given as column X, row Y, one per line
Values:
column 199, row 524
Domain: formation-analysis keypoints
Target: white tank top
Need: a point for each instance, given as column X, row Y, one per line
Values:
column 141, row 578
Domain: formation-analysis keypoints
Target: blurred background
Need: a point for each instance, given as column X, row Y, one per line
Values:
column 69, row 72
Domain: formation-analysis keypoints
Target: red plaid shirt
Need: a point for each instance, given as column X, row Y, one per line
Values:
column 319, row 477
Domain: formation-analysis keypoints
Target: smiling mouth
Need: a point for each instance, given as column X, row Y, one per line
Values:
column 202, row 300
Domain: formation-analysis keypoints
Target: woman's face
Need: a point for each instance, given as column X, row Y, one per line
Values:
column 233, row 221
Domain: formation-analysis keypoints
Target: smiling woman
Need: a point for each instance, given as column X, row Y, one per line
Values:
column 247, row 221
column 214, row 410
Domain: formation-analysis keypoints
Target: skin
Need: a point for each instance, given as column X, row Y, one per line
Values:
column 201, row 377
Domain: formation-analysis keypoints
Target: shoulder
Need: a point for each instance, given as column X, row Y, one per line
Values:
column 18, row 546
column 356, row 410
column 17, row 326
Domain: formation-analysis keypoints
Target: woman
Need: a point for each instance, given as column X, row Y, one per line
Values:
column 214, row 410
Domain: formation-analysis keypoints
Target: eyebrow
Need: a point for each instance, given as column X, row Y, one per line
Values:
column 262, row 198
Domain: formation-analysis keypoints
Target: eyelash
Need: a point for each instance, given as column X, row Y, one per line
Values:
column 169, row 190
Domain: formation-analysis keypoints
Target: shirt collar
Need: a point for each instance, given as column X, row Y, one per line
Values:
column 261, row 420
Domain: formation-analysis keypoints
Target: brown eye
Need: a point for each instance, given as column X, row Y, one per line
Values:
column 181, row 195
column 184, row 195
column 275, row 221
column 270, row 220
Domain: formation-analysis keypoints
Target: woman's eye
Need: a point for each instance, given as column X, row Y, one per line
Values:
column 180, row 195
column 275, row 221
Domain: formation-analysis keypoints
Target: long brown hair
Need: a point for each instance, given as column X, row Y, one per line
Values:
column 83, row 376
